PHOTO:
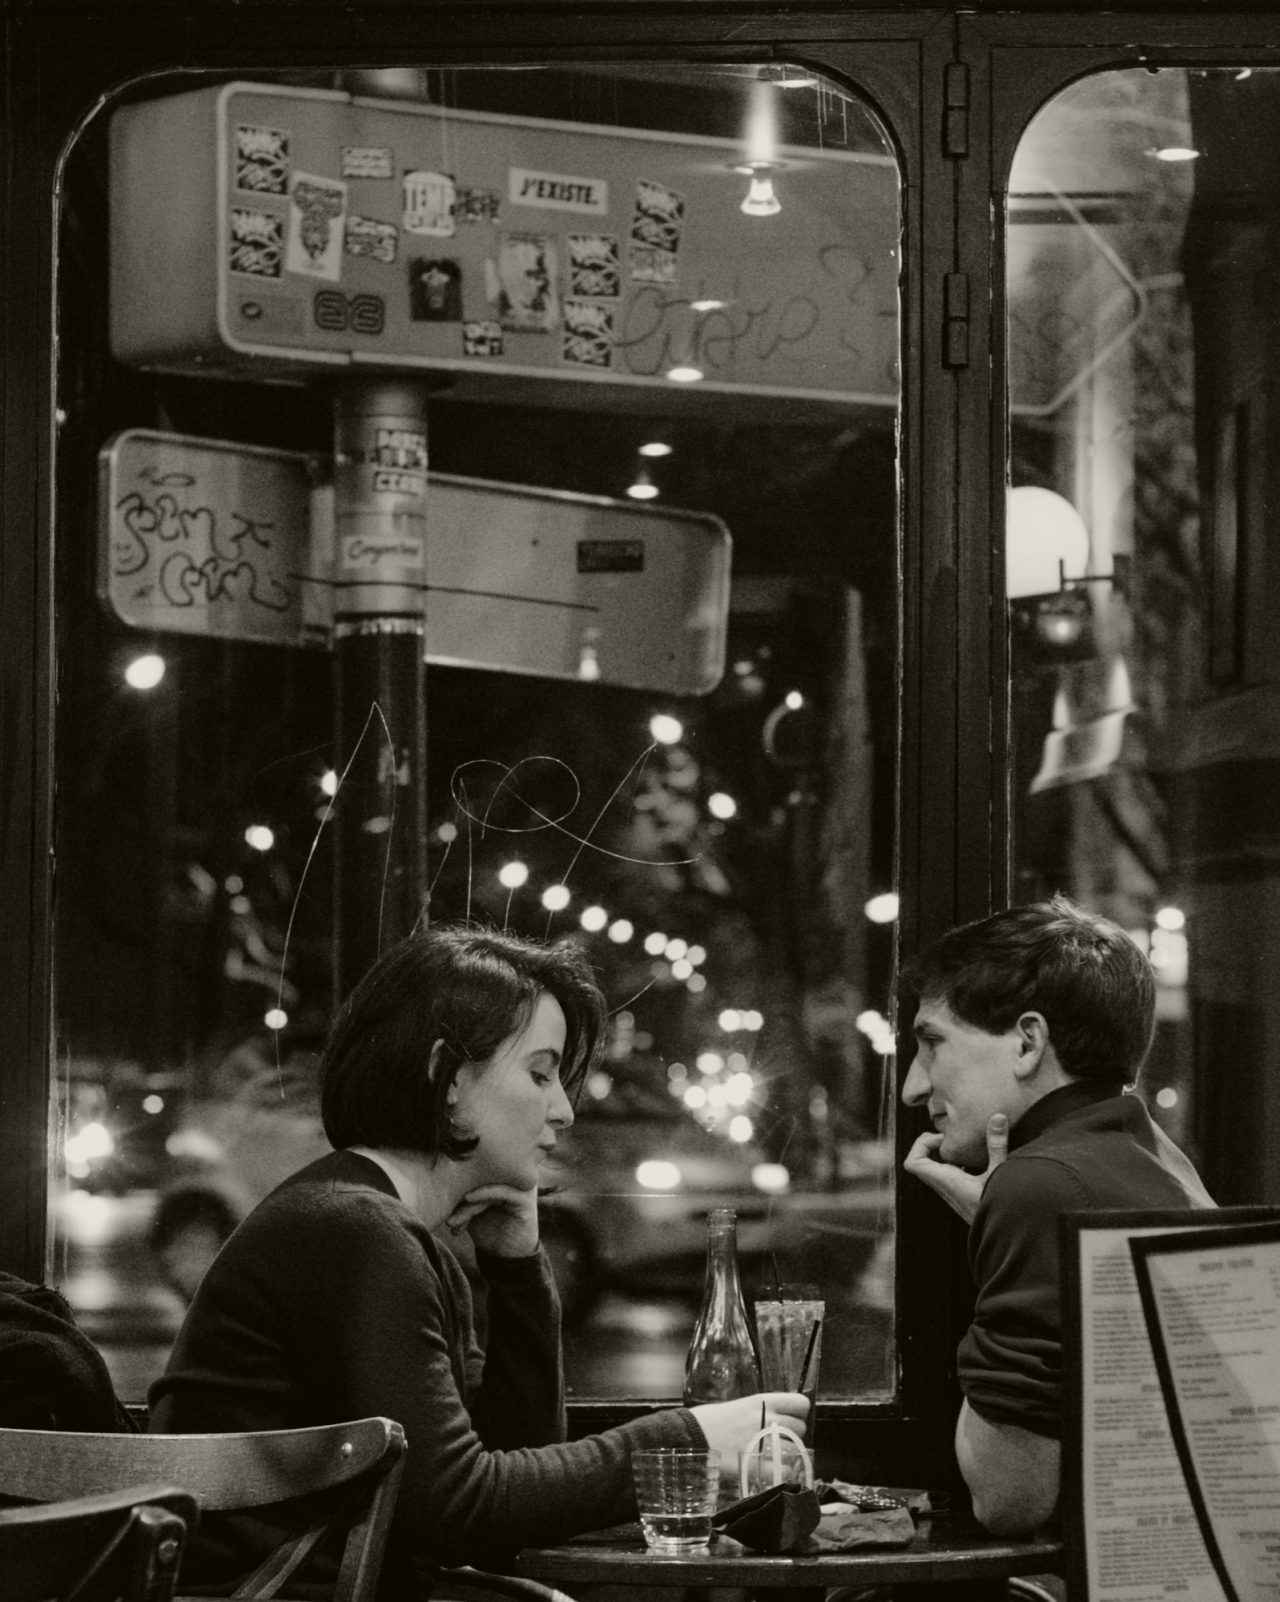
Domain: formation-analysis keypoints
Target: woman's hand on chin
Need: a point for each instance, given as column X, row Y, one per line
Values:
column 501, row 1219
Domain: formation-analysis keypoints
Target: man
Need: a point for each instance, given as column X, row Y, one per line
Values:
column 1031, row 1027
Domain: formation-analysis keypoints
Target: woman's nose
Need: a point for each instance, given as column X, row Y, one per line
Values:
column 561, row 1111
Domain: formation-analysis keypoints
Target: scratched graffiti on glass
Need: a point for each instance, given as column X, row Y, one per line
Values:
column 215, row 545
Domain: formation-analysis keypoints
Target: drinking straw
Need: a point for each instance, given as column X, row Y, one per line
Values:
column 808, row 1356
column 762, row 1418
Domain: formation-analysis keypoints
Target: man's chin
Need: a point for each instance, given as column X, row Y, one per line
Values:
column 959, row 1155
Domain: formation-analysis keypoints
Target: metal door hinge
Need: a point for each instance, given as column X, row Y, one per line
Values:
column 955, row 114
column 955, row 324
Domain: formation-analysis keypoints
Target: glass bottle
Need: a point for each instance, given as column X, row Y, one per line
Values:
column 722, row 1360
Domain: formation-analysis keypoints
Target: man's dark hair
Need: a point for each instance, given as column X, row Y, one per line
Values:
column 467, row 989
column 1093, row 985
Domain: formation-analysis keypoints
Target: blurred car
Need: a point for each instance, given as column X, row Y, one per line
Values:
column 250, row 1123
column 626, row 1200
column 638, row 1174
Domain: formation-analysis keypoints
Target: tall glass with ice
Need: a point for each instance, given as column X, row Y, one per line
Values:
column 789, row 1338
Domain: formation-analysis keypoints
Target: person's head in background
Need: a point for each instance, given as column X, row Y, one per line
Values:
column 457, row 1044
column 1015, row 1005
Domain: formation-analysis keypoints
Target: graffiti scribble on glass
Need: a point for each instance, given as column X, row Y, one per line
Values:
column 193, row 558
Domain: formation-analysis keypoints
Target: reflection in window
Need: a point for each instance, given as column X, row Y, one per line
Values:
column 1142, row 231
column 611, row 295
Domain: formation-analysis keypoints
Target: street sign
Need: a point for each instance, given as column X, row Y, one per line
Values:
column 203, row 537
column 271, row 229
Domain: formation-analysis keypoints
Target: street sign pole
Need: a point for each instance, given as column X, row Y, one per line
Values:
column 380, row 735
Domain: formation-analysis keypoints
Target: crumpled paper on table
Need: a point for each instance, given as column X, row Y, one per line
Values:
column 833, row 1517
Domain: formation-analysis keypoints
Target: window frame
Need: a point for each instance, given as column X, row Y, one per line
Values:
column 63, row 60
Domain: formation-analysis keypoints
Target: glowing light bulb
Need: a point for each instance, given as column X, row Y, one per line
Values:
column 593, row 919
column 760, row 200
column 642, row 488
column 882, row 908
column 684, row 373
column 512, row 875
column 555, row 898
column 621, row 930
column 721, row 805
column 259, row 837
column 145, row 672
column 655, row 448
column 275, row 1018
column 329, row 782
column 665, row 729
column 655, row 944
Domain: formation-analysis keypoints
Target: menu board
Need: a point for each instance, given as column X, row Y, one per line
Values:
column 1130, row 1525
column 1212, row 1304
column 289, row 229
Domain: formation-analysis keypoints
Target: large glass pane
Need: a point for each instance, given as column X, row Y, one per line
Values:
column 666, row 288
column 1142, row 233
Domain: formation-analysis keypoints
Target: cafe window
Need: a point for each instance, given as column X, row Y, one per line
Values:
column 618, row 347
column 1141, row 236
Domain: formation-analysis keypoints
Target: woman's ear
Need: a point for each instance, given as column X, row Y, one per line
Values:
column 434, row 1070
column 1032, row 1042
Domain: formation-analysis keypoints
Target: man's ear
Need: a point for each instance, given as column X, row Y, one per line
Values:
column 1032, row 1043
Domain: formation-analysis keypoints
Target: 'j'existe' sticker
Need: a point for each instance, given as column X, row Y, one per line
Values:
column 435, row 290
column 316, row 213
column 261, row 159
column 256, row 246
column 594, row 266
column 557, row 191
column 528, row 297
column 587, row 337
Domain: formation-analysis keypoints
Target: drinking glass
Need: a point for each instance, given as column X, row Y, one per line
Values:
column 676, row 1492
column 785, row 1334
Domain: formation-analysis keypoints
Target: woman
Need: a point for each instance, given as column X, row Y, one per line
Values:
column 445, row 1081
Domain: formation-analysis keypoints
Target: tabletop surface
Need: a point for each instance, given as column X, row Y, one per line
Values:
column 947, row 1546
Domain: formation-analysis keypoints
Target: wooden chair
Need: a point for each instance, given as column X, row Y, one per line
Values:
column 235, row 1472
column 121, row 1547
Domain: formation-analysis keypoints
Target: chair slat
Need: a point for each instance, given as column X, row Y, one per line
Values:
column 224, row 1471
column 234, row 1472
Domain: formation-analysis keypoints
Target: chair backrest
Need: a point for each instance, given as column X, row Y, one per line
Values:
column 121, row 1547
column 235, row 1472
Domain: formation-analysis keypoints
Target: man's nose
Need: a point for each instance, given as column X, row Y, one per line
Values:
column 915, row 1087
column 560, row 1115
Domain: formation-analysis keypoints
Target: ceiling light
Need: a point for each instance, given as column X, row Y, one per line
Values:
column 760, row 199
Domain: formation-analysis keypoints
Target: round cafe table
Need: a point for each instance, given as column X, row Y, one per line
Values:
column 949, row 1550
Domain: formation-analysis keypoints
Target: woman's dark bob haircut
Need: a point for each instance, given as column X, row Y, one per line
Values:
column 465, row 991
column 1093, row 986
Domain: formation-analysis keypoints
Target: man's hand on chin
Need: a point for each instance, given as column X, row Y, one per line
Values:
column 962, row 1191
